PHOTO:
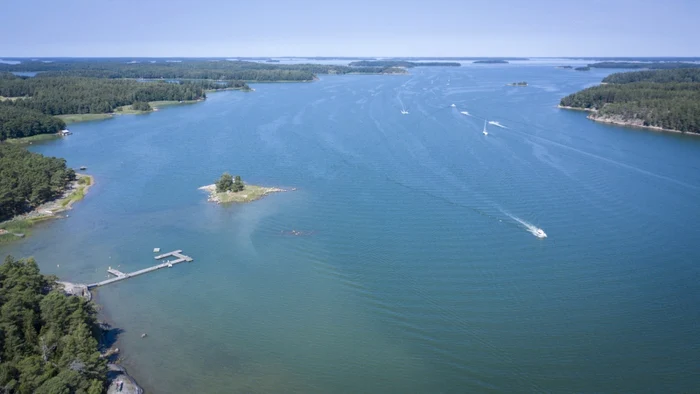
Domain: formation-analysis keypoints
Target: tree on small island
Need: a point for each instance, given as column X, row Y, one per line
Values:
column 227, row 183
column 238, row 184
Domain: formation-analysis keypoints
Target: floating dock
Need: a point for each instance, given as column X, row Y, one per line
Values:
column 118, row 275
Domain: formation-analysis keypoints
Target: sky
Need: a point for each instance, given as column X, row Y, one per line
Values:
column 227, row 28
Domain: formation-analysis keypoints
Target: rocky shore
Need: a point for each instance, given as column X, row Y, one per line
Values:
column 620, row 121
column 249, row 194
column 118, row 378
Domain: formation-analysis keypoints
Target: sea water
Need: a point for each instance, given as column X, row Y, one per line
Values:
column 412, row 273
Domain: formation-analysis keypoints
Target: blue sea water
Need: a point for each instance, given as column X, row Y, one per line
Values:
column 414, row 273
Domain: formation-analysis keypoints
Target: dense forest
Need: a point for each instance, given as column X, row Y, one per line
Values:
column 29, row 179
column 664, row 98
column 401, row 63
column 74, row 95
column 651, row 66
column 47, row 339
column 18, row 122
column 663, row 76
column 192, row 69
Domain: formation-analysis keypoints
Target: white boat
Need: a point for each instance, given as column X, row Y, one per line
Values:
column 485, row 132
column 452, row 105
column 404, row 112
column 539, row 233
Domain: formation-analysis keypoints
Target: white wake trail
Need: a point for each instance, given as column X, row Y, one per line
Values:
column 497, row 124
column 534, row 230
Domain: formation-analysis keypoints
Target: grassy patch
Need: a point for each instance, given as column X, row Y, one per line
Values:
column 250, row 193
column 77, row 195
column 19, row 226
column 128, row 110
column 84, row 182
column 160, row 104
column 75, row 118
column 32, row 139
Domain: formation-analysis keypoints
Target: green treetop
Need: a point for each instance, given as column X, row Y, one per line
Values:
column 238, row 184
column 225, row 183
column 228, row 183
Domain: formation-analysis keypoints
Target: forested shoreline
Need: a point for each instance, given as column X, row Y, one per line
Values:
column 31, row 102
column 647, row 65
column 78, row 95
column 667, row 99
column 20, row 122
column 75, row 87
column 48, row 340
column 194, row 69
column 28, row 180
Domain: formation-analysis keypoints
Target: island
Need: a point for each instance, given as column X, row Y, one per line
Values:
column 664, row 100
column 586, row 68
column 567, row 67
column 229, row 189
column 490, row 61
column 401, row 63
column 523, row 83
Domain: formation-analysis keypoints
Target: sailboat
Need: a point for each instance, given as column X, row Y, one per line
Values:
column 485, row 132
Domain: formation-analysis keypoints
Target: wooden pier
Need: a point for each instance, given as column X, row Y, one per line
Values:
column 118, row 275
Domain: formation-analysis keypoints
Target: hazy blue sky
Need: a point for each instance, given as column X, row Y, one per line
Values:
column 350, row 28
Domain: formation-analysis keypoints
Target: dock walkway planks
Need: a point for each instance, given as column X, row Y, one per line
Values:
column 122, row 276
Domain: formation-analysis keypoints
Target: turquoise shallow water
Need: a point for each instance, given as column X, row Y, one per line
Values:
column 418, row 276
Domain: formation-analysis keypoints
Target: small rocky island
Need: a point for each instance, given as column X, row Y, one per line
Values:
column 230, row 189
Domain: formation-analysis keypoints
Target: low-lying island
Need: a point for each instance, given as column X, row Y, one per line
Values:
column 232, row 190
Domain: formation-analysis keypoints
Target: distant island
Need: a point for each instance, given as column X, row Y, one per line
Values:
column 230, row 189
column 401, row 63
column 490, row 61
column 569, row 67
column 523, row 83
column 658, row 99
column 582, row 69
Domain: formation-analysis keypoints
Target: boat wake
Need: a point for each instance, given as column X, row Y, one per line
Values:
column 465, row 113
column 534, row 230
column 493, row 122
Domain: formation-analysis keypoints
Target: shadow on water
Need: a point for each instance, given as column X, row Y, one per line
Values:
column 109, row 335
